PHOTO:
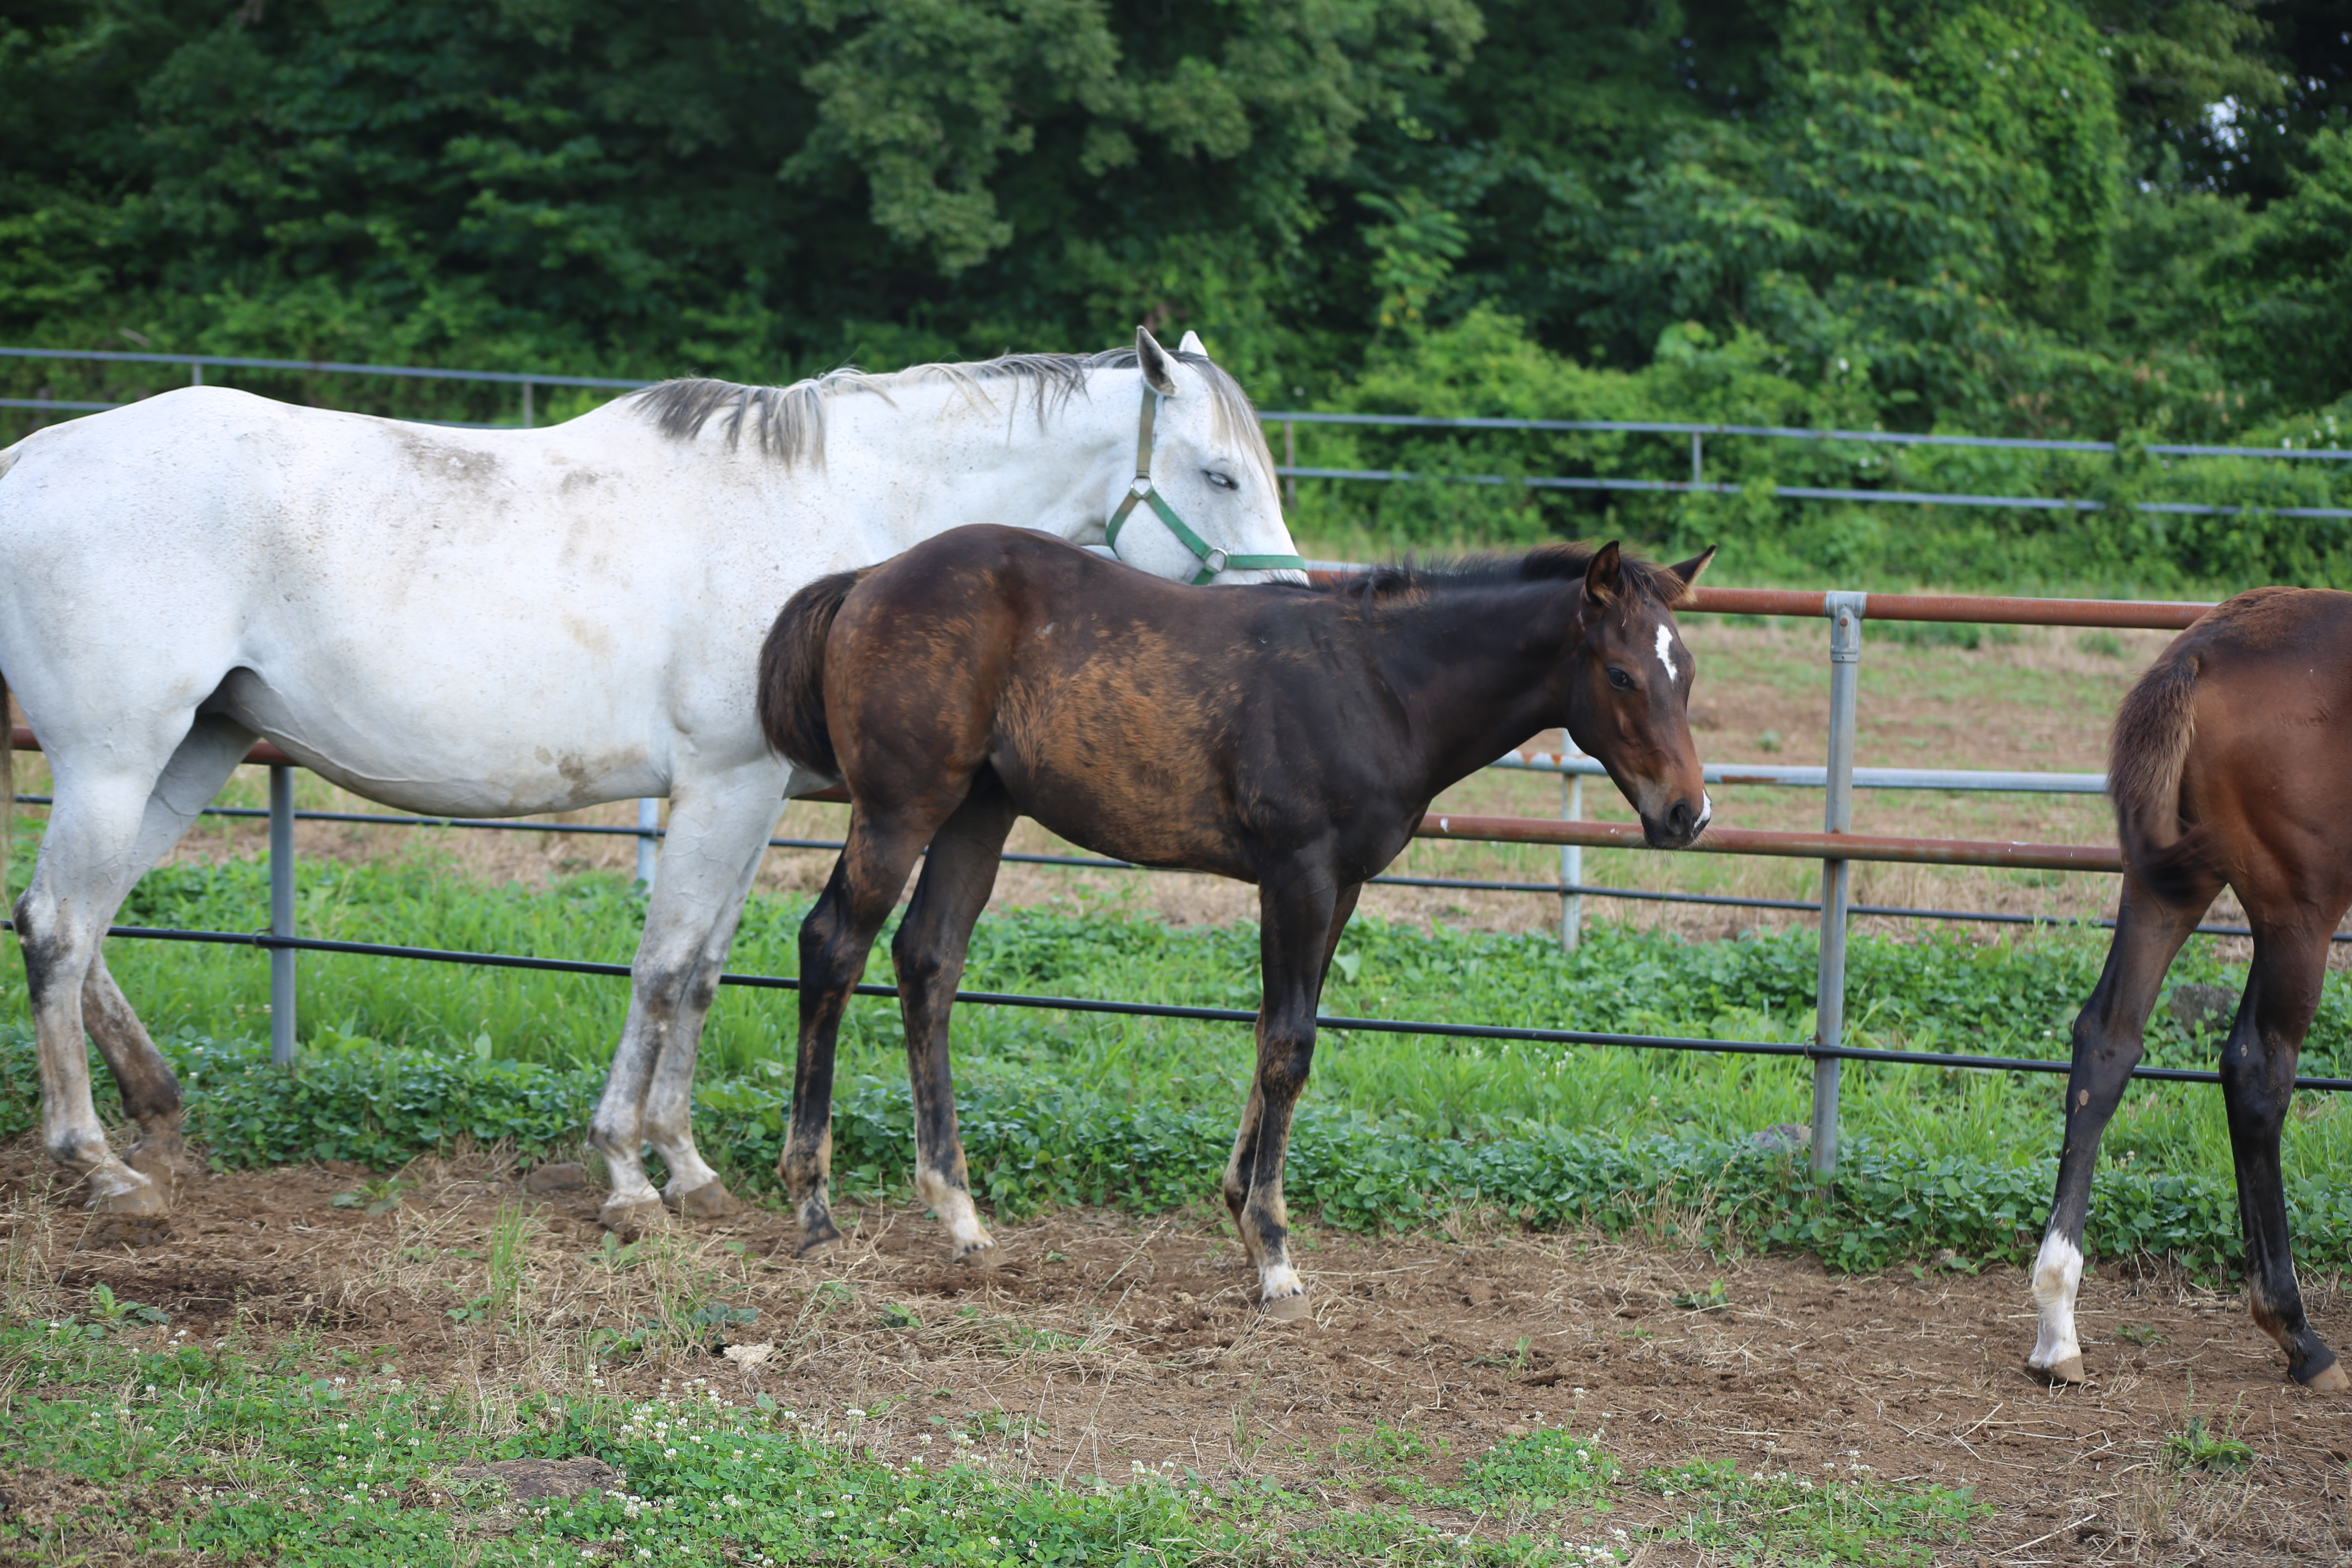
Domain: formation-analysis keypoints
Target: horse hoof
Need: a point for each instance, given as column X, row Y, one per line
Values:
column 709, row 1201
column 631, row 1220
column 2328, row 1379
column 1287, row 1309
column 2070, row 1370
column 140, row 1217
column 814, row 1236
column 985, row 1258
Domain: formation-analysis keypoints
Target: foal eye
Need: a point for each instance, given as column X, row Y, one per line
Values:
column 1223, row 481
column 1620, row 679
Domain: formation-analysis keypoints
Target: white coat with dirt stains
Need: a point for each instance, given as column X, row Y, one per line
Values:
column 496, row 622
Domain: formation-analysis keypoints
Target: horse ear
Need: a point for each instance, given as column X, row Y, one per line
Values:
column 1191, row 344
column 1604, row 574
column 1689, row 570
column 1152, row 360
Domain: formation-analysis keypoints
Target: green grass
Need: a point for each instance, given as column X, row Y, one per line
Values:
column 1763, row 1517
column 240, row 1450
column 399, row 1057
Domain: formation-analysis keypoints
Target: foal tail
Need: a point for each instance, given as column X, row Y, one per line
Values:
column 791, row 675
column 2154, row 729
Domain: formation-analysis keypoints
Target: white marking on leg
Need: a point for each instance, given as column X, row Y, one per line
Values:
column 954, row 1209
column 2057, row 1276
column 1667, row 652
column 1280, row 1280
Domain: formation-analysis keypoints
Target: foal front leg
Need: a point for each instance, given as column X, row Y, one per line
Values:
column 1299, row 926
column 928, row 952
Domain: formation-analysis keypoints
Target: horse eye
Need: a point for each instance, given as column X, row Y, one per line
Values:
column 1223, row 481
column 1620, row 679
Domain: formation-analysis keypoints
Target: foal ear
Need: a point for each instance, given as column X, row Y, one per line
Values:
column 1604, row 574
column 1191, row 344
column 1152, row 360
column 1689, row 570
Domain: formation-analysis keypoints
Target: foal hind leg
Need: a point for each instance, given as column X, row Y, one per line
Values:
column 2108, row 1035
column 835, row 941
column 2258, row 1063
column 928, row 953
column 1300, row 923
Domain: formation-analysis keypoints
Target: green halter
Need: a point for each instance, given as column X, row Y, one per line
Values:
column 1212, row 560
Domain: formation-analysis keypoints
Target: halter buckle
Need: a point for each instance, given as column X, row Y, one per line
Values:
column 1143, row 484
column 1214, row 561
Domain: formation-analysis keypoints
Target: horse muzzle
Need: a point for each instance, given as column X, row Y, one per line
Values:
column 1680, row 825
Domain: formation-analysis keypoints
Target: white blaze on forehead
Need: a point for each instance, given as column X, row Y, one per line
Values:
column 1667, row 652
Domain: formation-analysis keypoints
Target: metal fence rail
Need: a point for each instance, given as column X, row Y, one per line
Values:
column 277, row 944
column 1836, row 847
column 1290, row 419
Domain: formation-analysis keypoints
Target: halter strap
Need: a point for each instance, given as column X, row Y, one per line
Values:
column 1212, row 560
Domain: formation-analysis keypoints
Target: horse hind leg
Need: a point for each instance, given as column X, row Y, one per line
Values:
column 2258, row 1063
column 103, row 834
column 928, row 953
column 2108, row 1037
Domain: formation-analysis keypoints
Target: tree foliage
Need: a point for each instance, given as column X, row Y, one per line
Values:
column 2101, row 218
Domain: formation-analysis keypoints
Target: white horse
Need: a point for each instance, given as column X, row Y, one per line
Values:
column 493, row 623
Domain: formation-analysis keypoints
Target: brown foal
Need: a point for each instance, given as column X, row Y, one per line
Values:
column 1291, row 737
column 2230, row 765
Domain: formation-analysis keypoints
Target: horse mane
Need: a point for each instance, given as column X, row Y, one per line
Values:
column 789, row 421
column 1410, row 580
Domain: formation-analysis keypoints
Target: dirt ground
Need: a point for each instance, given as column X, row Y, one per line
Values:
column 1104, row 1342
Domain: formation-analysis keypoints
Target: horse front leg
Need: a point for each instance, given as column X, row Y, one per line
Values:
column 718, row 833
column 2108, row 1041
column 835, row 941
column 1300, row 922
column 929, row 953
column 2258, row 1063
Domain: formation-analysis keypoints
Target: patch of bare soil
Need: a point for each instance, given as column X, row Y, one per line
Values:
column 1104, row 1343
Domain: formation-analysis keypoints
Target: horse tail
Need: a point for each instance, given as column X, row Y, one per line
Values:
column 791, row 675
column 2147, row 758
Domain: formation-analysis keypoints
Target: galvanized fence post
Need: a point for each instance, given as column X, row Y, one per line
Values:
column 1845, row 611
column 282, row 913
column 1571, row 855
column 648, row 823
column 527, row 410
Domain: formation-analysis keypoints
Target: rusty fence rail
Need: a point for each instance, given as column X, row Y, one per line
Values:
column 1836, row 847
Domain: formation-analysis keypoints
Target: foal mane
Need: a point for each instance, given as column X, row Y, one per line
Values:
column 789, row 422
column 1397, row 584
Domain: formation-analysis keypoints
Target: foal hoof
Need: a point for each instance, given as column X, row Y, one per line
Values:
column 631, row 1220
column 709, row 1201
column 163, row 1159
column 2328, row 1379
column 815, row 1233
column 2070, row 1370
column 1287, row 1309
column 986, row 1257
